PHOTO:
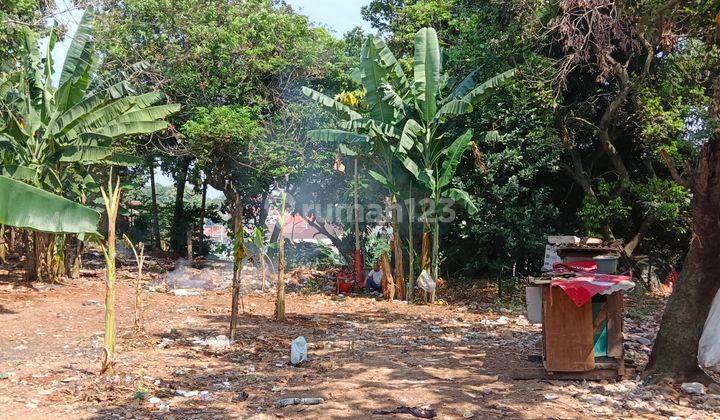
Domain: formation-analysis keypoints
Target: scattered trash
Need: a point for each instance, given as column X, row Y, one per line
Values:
column 183, row 393
column 298, row 401
column 419, row 412
column 693, row 388
column 164, row 343
column 185, row 292
column 551, row 397
column 468, row 414
column 426, row 282
column 204, row 395
column 298, row 350
column 154, row 400
column 240, row 397
column 503, row 320
column 218, row 343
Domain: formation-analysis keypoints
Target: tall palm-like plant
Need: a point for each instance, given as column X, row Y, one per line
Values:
column 412, row 121
column 50, row 135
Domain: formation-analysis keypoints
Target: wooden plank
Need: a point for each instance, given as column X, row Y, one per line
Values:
column 540, row 373
column 567, row 332
column 615, row 328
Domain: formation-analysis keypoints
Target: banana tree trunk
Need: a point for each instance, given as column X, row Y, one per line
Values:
column 356, row 212
column 263, row 273
column 3, row 245
column 388, row 282
column 154, row 207
column 397, row 251
column 11, row 240
column 425, row 252
column 280, row 298
column 112, row 203
column 37, row 261
column 238, row 253
column 435, row 256
column 411, row 254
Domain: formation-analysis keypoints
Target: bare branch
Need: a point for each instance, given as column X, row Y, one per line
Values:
column 670, row 163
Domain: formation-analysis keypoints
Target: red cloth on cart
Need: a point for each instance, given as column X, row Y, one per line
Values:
column 575, row 267
column 587, row 283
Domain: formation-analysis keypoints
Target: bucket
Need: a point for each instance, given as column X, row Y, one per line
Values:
column 344, row 288
column 533, row 298
column 606, row 264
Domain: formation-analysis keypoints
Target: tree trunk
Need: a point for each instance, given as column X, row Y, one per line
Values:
column 154, row 207
column 238, row 255
column 3, row 245
column 112, row 203
column 388, row 282
column 676, row 346
column 357, row 260
column 179, row 224
column 11, row 240
column 38, row 259
column 203, row 208
column 425, row 252
column 411, row 252
column 397, row 251
column 435, row 256
column 189, row 241
column 280, row 299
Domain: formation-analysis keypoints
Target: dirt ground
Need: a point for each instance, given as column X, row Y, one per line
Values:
column 365, row 355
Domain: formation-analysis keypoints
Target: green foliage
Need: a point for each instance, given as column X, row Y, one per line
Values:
column 667, row 201
column 377, row 243
column 600, row 211
column 52, row 135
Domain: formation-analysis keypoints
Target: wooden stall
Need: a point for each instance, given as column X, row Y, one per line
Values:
column 586, row 341
column 582, row 342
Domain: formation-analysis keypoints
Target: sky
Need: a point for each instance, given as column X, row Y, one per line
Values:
column 339, row 16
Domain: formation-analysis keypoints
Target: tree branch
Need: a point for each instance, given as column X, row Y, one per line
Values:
column 670, row 163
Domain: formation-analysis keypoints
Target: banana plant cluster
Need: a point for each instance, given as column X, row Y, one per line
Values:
column 50, row 136
column 411, row 120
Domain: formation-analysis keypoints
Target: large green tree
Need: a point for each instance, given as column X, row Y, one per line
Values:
column 205, row 54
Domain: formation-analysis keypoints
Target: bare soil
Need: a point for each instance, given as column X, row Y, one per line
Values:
column 365, row 355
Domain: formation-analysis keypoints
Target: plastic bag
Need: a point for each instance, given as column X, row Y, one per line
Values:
column 426, row 282
column 709, row 348
column 298, row 350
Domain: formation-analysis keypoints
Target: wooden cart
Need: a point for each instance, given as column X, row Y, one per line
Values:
column 583, row 342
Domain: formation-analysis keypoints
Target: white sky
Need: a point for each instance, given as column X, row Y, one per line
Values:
column 339, row 16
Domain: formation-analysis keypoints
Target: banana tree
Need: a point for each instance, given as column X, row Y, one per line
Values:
column 262, row 252
column 49, row 135
column 414, row 120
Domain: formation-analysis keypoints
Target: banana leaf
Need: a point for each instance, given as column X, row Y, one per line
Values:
column 126, row 129
column 453, row 156
column 84, row 154
column 336, row 136
column 372, row 81
column 463, row 198
column 427, row 69
column 123, row 159
column 488, row 86
column 24, row 206
column 331, row 104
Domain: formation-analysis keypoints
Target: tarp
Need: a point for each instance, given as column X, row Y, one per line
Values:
column 585, row 283
column 709, row 348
